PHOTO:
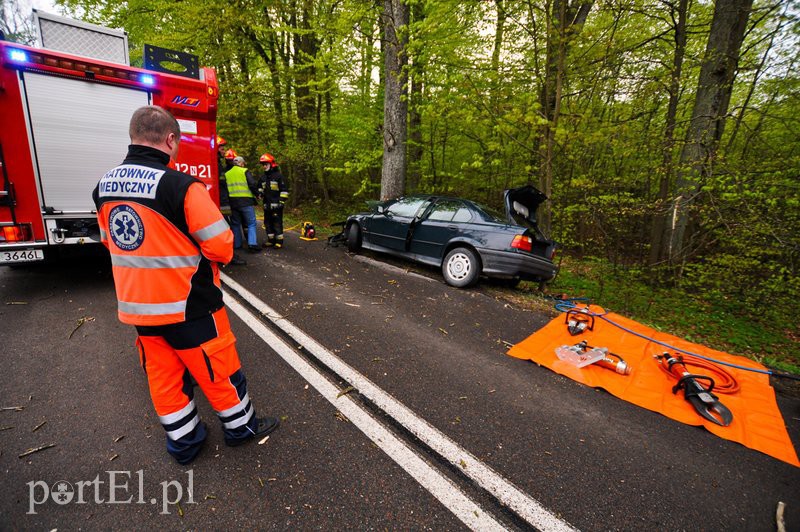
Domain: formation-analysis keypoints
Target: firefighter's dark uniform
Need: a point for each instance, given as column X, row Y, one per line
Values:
column 166, row 236
column 223, row 165
column 275, row 192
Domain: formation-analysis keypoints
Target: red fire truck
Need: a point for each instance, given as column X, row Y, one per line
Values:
column 65, row 106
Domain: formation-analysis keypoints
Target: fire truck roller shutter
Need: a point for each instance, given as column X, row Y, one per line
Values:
column 79, row 130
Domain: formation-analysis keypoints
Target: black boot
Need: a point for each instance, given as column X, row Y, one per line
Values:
column 264, row 425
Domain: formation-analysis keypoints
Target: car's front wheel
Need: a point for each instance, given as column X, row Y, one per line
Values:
column 461, row 268
column 353, row 238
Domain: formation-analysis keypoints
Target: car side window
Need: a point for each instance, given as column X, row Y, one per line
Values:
column 444, row 211
column 406, row 207
column 462, row 215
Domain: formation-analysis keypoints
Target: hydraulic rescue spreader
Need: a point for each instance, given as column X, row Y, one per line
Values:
column 699, row 396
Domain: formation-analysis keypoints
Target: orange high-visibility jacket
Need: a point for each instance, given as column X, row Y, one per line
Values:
column 165, row 235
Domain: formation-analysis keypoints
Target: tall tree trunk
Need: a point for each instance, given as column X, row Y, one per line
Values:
column 277, row 101
column 713, row 96
column 415, row 148
column 564, row 22
column 305, row 51
column 782, row 20
column 269, row 55
column 395, row 106
column 658, row 243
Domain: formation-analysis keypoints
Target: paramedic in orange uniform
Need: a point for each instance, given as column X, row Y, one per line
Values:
column 167, row 237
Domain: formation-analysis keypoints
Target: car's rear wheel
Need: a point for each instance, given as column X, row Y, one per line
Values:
column 461, row 268
column 353, row 238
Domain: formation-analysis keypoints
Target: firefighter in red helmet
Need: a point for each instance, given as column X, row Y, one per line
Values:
column 166, row 239
column 274, row 192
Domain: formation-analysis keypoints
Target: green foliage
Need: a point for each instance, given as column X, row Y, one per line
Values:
column 303, row 81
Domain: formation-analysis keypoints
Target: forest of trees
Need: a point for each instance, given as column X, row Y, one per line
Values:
column 665, row 132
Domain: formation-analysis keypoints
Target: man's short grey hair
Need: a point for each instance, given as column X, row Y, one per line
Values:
column 238, row 161
column 153, row 124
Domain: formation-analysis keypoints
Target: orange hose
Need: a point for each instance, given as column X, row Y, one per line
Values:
column 724, row 382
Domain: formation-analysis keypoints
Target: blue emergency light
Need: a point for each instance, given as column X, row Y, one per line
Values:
column 20, row 56
column 147, row 79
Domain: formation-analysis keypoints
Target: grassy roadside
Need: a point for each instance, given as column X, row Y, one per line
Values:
column 723, row 324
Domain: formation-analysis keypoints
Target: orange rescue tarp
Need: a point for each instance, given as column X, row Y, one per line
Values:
column 757, row 422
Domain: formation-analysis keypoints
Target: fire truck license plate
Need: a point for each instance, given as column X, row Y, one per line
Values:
column 21, row 255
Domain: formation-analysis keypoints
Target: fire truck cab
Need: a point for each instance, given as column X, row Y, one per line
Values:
column 65, row 107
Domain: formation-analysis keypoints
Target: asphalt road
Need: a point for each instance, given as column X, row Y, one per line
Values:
column 587, row 458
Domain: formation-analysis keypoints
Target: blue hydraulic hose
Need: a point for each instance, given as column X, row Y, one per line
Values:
column 568, row 304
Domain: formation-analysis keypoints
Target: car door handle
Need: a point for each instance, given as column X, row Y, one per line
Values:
column 452, row 227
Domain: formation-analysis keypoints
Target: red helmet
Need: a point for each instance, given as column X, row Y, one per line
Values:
column 230, row 154
column 221, row 141
column 267, row 158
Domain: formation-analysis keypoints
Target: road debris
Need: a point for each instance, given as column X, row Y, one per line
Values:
column 341, row 417
column 40, row 425
column 352, row 305
column 6, row 428
column 118, row 438
column 36, row 449
column 81, row 321
column 442, row 331
column 345, row 391
column 779, row 521
column 16, row 302
column 263, row 441
column 113, row 457
column 14, row 408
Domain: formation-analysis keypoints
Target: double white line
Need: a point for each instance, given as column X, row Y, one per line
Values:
column 461, row 505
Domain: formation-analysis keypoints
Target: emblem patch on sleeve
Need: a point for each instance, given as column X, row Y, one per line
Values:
column 126, row 227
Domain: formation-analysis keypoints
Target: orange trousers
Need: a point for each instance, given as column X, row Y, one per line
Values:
column 201, row 351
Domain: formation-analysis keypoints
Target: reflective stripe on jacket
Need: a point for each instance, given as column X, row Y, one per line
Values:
column 165, row 236
column 274, row 185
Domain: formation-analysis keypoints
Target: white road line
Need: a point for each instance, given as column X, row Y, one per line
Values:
column 428, row 477
column 525, row 506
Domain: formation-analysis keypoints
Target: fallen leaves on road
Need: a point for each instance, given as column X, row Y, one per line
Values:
column 81, row 321
column 345, row 391
column 36, row 449
column 341, row 417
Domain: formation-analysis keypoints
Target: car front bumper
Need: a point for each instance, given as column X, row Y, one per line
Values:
column 510, row 264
